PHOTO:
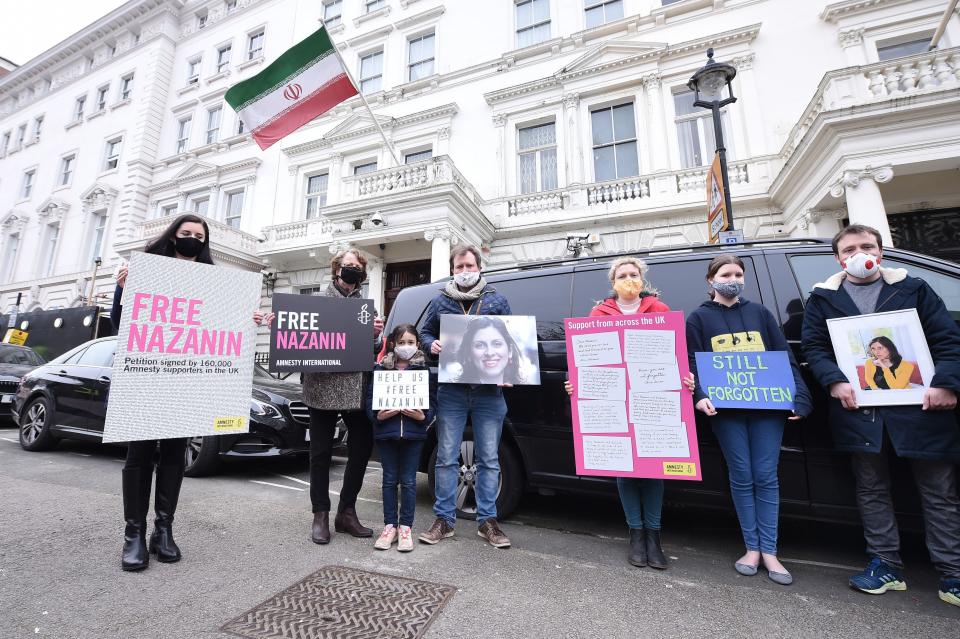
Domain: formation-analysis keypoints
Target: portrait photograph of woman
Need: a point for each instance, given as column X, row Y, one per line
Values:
column 486, row 349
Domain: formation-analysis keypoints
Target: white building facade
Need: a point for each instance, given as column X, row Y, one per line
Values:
column 531, row 128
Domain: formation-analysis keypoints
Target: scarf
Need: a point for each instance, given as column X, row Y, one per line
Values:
column 454, row 292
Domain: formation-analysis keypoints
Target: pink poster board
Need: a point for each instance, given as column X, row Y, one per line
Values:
column 632, row 416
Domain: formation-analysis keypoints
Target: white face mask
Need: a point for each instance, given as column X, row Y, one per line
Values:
column 861, row 265
column 405, row 351
column 466, row 278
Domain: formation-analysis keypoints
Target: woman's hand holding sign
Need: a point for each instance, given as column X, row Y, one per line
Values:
column 413, row 413
column 706, row 407
column 263, row 319
column 122, row 276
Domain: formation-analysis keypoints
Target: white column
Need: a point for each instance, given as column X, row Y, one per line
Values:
column 375, row 281
column 182, row 207
column 334, row 179
column 824, row 224
column 746, row 123
column 659, row 159
column 439, row 239
column 864, row 202
column 499, row 125
column 443, row 142
column 851, row 41
column 214, row 208
column 571, row 133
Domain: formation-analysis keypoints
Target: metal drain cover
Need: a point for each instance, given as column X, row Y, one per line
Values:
column 337, row 602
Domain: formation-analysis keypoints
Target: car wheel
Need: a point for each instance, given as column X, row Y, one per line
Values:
column 202, row 456
column 35, row 424
column 508, row 492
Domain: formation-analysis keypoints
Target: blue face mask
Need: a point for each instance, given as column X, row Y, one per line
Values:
column 729, row 290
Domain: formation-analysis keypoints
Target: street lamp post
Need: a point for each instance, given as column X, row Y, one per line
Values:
column 707, row 84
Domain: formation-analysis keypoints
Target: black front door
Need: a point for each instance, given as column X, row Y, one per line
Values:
column 401, row 275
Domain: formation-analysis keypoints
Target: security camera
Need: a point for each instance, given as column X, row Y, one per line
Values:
column 377, row 219
column 578, row 236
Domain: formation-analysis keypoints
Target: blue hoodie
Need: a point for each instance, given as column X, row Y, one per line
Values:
column 714, row 327
column 398, row 426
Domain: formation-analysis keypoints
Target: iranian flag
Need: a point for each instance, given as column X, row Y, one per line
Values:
column 306, row 81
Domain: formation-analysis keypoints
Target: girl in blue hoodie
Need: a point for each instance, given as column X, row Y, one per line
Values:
column 750, row 439
column 400, row 434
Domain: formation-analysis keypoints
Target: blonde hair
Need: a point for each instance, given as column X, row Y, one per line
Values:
column 633, row 261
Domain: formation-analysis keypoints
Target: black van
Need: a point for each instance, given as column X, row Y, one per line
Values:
column 536, row 452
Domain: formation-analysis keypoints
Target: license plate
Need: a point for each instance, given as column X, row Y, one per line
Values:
column 6, row 399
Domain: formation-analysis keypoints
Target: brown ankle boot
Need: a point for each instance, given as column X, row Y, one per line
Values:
column 347, row 522
column 321, row 528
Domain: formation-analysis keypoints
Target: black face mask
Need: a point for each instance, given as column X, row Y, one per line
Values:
column 188, row 246
column 351, row 275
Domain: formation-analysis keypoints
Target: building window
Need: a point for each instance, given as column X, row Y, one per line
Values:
column 201, row 21
column 193, row 71
column 373, row 5
column 902, row 48
column 241, row 127
column 614, row 143
column 361, row 169
column 201, row 205
column 66, row 169
column 183, row 134
column 97, row 233
column 538, row 158
column 316, row 194
column 255, row 45
column 10, row 258
column 231, row 5
column 223, row 58
column 126, row 87
column 213, row 124
column 78, row 108
column 112, row 156
column 332, row 12
column 417, row 156
column 168, row 210
column 22, row 135
column 234, row 209
column 5, row 145
column 533, row 22
column 49, row 249
column 420, row 63
column 102, row 98
column 695, row 132
column 312, row 290
column 371, row 72
column 37, row 128
column 27, row 188
column 602, row 11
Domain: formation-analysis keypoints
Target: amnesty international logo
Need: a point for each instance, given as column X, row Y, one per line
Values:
column 364, row 315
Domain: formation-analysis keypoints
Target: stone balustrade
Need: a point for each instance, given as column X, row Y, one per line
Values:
column 632, row 188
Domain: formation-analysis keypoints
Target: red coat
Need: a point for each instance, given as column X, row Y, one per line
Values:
column 648, row 304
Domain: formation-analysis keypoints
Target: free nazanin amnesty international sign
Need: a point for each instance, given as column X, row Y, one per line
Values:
column 185, row 351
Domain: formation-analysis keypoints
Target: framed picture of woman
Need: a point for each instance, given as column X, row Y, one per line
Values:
column 489, row 349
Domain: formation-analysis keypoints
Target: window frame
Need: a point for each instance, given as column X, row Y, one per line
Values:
column 256, row 53
column 534, row 25
column 95, row 241
column 317, row 198
column 242, row 193
column 333, row 20
column 193, row 70
column 212, row 135
column 360, row 167
column 27, row 183
column 591, row 5
column 411, row 154
column 184, row 128
column 224, row 65
column 79, row 108
column 703, row 119
column 112, row 144
column 66, row 170
column 10, row 259
column 51, row 243
column 432, row 60
column 634, row 141
column 378, row 77
column 126, row 86
column 102, row 92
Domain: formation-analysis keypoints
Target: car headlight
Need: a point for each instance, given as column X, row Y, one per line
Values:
column 263, row 409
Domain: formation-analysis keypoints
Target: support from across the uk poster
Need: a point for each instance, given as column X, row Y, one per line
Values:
column 185, row 349
column 632, row 416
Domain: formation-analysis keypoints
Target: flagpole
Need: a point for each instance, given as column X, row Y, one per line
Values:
column 373, row 117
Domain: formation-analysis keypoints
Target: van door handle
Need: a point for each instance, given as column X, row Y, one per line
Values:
column 103, row 378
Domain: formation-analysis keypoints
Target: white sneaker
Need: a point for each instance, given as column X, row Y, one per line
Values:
column 387, row 537
column 406, row 539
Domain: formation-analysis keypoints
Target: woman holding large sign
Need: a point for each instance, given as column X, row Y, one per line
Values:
column 187, row 238
column 750, row 439
column 642, row 499
column 330, row 396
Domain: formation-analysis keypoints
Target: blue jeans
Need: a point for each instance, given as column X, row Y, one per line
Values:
column 399, row 459
column 486, row 408
column 642, row 501
column 750, row 441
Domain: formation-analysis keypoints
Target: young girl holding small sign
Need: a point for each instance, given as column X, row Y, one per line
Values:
column 750, row 439
column 399, row 433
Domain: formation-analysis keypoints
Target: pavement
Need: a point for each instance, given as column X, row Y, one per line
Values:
column 245, row 536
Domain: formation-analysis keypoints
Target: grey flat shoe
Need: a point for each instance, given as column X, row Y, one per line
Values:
column 782, row 578
column 745, row 569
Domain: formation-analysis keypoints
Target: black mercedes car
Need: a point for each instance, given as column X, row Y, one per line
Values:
column 67, row 399
column 15, row 362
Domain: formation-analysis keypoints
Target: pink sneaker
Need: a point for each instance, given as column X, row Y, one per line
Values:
column 406, row 539
column 387, row 537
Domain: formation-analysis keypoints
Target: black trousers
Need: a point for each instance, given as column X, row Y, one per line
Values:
column 359, row 446
column 140, row 454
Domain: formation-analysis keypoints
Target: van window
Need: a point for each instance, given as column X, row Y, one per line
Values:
column 682, row 285
column 547, row 297
column 99, row 354
column 810, row 269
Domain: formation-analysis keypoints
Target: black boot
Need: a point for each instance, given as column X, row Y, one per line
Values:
column 655, row 556
column 638, row 547
column 347, row 521
column 169, row 479
column 135, row 555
